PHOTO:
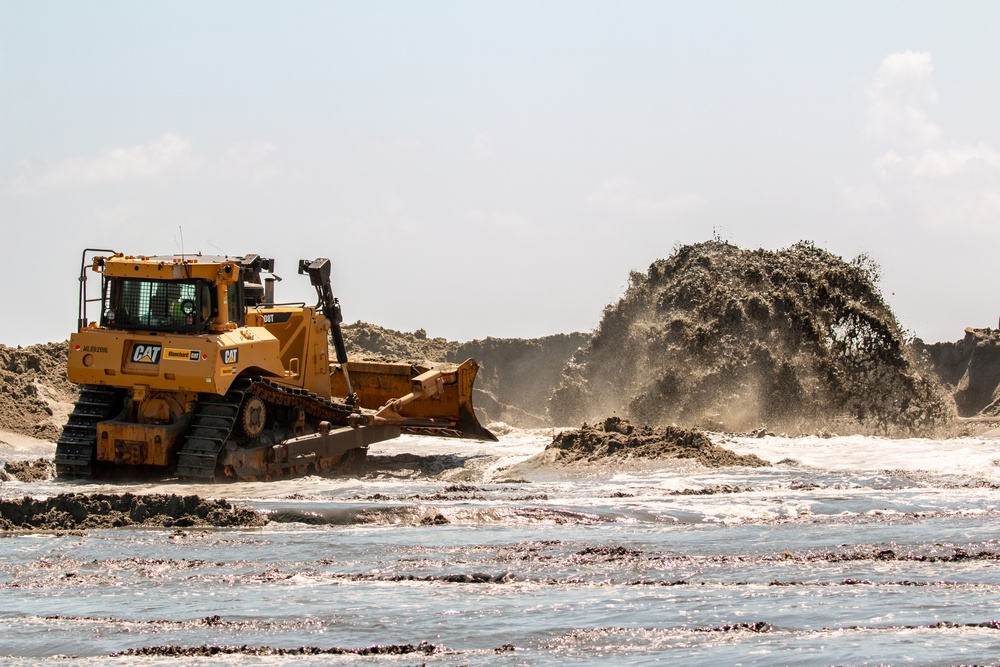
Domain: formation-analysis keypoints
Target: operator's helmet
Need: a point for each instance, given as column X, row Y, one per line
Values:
column 173, row 305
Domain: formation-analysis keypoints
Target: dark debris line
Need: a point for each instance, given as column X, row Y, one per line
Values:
column 209, row 650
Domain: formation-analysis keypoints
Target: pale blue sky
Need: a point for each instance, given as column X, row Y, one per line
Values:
column 496, row 169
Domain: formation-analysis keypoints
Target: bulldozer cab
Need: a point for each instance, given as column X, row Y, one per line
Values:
column 163, row 294
column 185, row 306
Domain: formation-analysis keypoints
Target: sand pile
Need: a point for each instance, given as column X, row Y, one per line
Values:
column 38, row 470
column 617, row 439
column 35, row 394
column 100, row 510
column 732, row 339
column 370, row 342
column 516, row 375
column 971, row 369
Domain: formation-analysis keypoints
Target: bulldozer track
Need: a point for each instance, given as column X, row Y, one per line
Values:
column 213, row 422
column 76, row 445
column 313, row 404
column 215, row 418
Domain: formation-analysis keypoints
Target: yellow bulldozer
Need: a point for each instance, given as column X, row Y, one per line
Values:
column 193, row 370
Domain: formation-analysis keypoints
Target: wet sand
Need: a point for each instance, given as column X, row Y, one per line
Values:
column 75, row 511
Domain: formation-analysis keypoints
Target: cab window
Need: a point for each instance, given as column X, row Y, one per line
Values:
column 234, row 294
column 134, row 303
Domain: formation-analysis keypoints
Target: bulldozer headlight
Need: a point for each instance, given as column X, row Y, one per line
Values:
column 109, row 315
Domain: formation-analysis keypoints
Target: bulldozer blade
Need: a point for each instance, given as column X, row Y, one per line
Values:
column 435, row 399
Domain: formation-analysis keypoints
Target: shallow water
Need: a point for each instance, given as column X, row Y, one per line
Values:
column 851, row 551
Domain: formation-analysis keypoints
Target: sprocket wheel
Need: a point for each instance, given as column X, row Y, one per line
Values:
column 253, row 416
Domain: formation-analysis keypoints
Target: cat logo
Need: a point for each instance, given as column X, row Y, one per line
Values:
column 146, row 354
column 230, row 355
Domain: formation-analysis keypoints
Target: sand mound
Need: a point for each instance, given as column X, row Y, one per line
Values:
column 35, row 394
column 971, row 368
column 516, row 375
column 616, row 438
column 519, row 374
column 730, row 339
column 370, row 342
column 99, row 510
column 38, row 470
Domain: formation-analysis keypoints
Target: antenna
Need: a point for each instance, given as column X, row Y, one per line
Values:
column 224, row 254
column 180, row 230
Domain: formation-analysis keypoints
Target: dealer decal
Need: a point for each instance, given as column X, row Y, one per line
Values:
column 146, row 353
column 230, row 355
column 182, row 355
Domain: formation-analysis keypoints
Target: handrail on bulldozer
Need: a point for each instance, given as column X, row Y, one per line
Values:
column 81, row 312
